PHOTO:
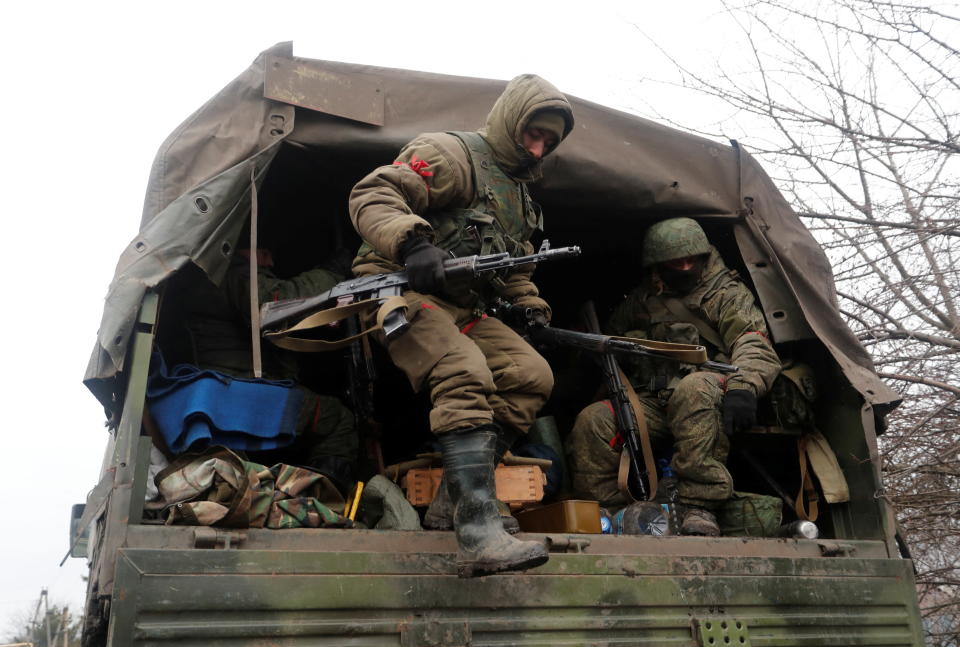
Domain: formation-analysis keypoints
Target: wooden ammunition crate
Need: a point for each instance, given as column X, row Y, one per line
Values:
column 516, row 484
column 563, row 516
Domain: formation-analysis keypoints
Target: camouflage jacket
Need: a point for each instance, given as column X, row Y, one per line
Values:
column 721, row 301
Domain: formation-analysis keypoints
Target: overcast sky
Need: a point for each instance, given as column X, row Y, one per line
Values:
column 90, row 91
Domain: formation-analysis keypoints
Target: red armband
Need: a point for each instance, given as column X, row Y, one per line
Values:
column 417, row 166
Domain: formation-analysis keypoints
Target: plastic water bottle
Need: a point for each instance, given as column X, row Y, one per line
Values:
column 606, row 525
column 641, row 518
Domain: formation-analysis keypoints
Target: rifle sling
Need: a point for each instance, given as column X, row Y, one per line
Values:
column 623, row 475
column 283, row 338
column 254, row 277
column 706, row 331
column 686, row 353
column 807, row 504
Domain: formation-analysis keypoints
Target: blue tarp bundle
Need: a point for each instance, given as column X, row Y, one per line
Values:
column 197, row 407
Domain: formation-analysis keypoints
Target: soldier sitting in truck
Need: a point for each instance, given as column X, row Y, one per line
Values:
column 688, row 295
column 211, row 330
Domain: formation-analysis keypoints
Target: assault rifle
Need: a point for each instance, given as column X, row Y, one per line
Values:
column 606, row 345
column 275, row 315
column 606, row 348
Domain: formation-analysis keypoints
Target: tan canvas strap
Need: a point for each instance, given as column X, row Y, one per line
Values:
column 623, row 476
column 646, row 448
column 807, row 503
column 686, row 353
column 824, row 465
column 254, row 286
column 682, row 312
column 283, row 338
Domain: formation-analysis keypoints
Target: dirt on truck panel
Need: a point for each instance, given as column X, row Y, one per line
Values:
column 307, row 131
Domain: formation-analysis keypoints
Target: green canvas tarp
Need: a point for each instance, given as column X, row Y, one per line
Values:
column 615, row 165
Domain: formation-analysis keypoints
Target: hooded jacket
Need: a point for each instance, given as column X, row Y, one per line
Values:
column 433, row 174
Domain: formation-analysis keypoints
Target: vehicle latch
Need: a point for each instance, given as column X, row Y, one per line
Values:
column 566, row 544
column 721, row 631
column 421, row 632
column 206, row 537
column 836, row 549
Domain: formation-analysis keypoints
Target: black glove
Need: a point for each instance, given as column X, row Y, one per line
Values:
column 424, row 263
column 739, row 410
column 536, row 319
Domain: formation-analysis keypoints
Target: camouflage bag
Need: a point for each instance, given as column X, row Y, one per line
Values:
column 305, row 499
column 215, row 487
column 750, row 515
column 790, row 401
column 218, row 488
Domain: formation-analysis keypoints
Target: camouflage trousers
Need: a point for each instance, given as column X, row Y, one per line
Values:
column 325, row 427
column 690, row 418
column 475, row 369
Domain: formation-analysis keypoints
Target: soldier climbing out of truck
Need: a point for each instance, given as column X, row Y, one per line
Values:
column 457, row 194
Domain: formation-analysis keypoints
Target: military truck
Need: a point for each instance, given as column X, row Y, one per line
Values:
column 295, row 135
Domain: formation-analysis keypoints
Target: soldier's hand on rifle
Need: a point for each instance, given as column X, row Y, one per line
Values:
column 424, row 263
column 536, row 318
column 739, row 410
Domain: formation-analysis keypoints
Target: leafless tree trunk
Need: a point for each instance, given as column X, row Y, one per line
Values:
column 854, row 106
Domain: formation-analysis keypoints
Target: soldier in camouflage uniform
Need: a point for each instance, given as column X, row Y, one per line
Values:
column 463, row 193
column 688, row 296
column 212, row 331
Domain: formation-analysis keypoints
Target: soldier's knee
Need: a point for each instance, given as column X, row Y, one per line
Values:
column 699, row 386
column 538, row 376
column 593, row 429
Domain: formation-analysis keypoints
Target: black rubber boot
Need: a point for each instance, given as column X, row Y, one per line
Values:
column 439, row 514
column 483, row 545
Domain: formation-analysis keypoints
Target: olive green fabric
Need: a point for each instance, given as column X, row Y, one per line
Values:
column 750, row 515
column 671, row 239
column 500, row 218
column 214, row 331
column 791, row 398
column 623, row 167
column 523, row 97
column 689, row 419
column 551, row 121
column 679, row 403
column 384, row 506
column 218, row 488
column 593, row 456
column 209, row 327
column 476, row 369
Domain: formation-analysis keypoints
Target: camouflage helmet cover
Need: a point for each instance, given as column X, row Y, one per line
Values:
column 673, row 238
